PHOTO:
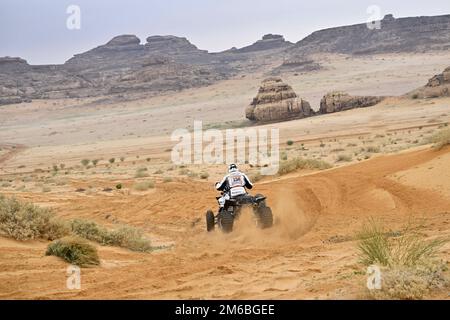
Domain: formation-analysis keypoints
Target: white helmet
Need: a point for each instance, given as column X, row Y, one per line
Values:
column 232, row 168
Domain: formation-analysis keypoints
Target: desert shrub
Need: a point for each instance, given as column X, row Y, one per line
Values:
column 373, row 149
column 440, row 139
column 141, row 173
column 159, row 171
column 46, row 189
column 204, row 175
column 409, row 249
column 128, row 237
column 183, row 171
column 95, row 162
column 408, row 262
column 408, row 283
column 122, row 159
column 88, row 230
column 302, row 163
column 290, row 142
column 144, row 185
column 344, row 158
column 85, row 162
column 112, row 160
column 192, row 174
column 167, row 179
column 75, row 251
column 118, row 186
column 125, row 236
column 255, row 177
column 25, row 221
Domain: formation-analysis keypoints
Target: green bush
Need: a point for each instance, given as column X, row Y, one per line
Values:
column 25, row 221
column 75, row 251
column 290, row 142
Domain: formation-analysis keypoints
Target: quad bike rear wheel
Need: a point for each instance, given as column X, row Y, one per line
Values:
column 210, row 223
column 265, row 217
column 226, row 221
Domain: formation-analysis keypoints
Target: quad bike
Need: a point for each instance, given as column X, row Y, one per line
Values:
column 232, row 209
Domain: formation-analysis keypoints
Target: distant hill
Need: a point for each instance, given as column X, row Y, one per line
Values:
column 126, row 68
column 416, row 34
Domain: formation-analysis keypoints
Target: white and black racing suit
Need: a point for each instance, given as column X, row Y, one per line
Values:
column 233, row 185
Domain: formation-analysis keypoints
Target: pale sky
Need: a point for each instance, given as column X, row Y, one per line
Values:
column 36, row 29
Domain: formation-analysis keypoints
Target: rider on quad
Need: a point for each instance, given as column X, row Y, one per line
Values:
column 234, row 198
column 234, row 184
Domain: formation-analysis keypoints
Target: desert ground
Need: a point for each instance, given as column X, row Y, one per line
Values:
column 382, row 166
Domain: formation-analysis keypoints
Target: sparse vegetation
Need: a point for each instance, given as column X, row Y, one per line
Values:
column 141, row 173
column 373, row 149
column 409, row 265
column 255, row 177
column 144, row 185
column 125, row 236
column 75, row 251
column 118, row 186
column 112, row 160
column 302, row 163
column 26, row 221
column 290, row 142
column 85, row 162
column 440, row 139
column 344, row 158
column 167, row 179
column 204, row 175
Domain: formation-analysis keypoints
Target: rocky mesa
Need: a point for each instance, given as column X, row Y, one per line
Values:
column 277, row 101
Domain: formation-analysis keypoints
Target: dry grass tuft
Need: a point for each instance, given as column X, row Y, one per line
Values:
column 74, row 250
column 409, row 265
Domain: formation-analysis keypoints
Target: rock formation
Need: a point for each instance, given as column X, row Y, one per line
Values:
column 268, row 42
column 340, row 101
column 437, row 86
column 277, row 101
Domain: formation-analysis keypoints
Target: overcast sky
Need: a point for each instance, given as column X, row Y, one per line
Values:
column 36, row 29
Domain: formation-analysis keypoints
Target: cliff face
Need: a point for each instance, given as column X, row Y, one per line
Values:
column 413, row 34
